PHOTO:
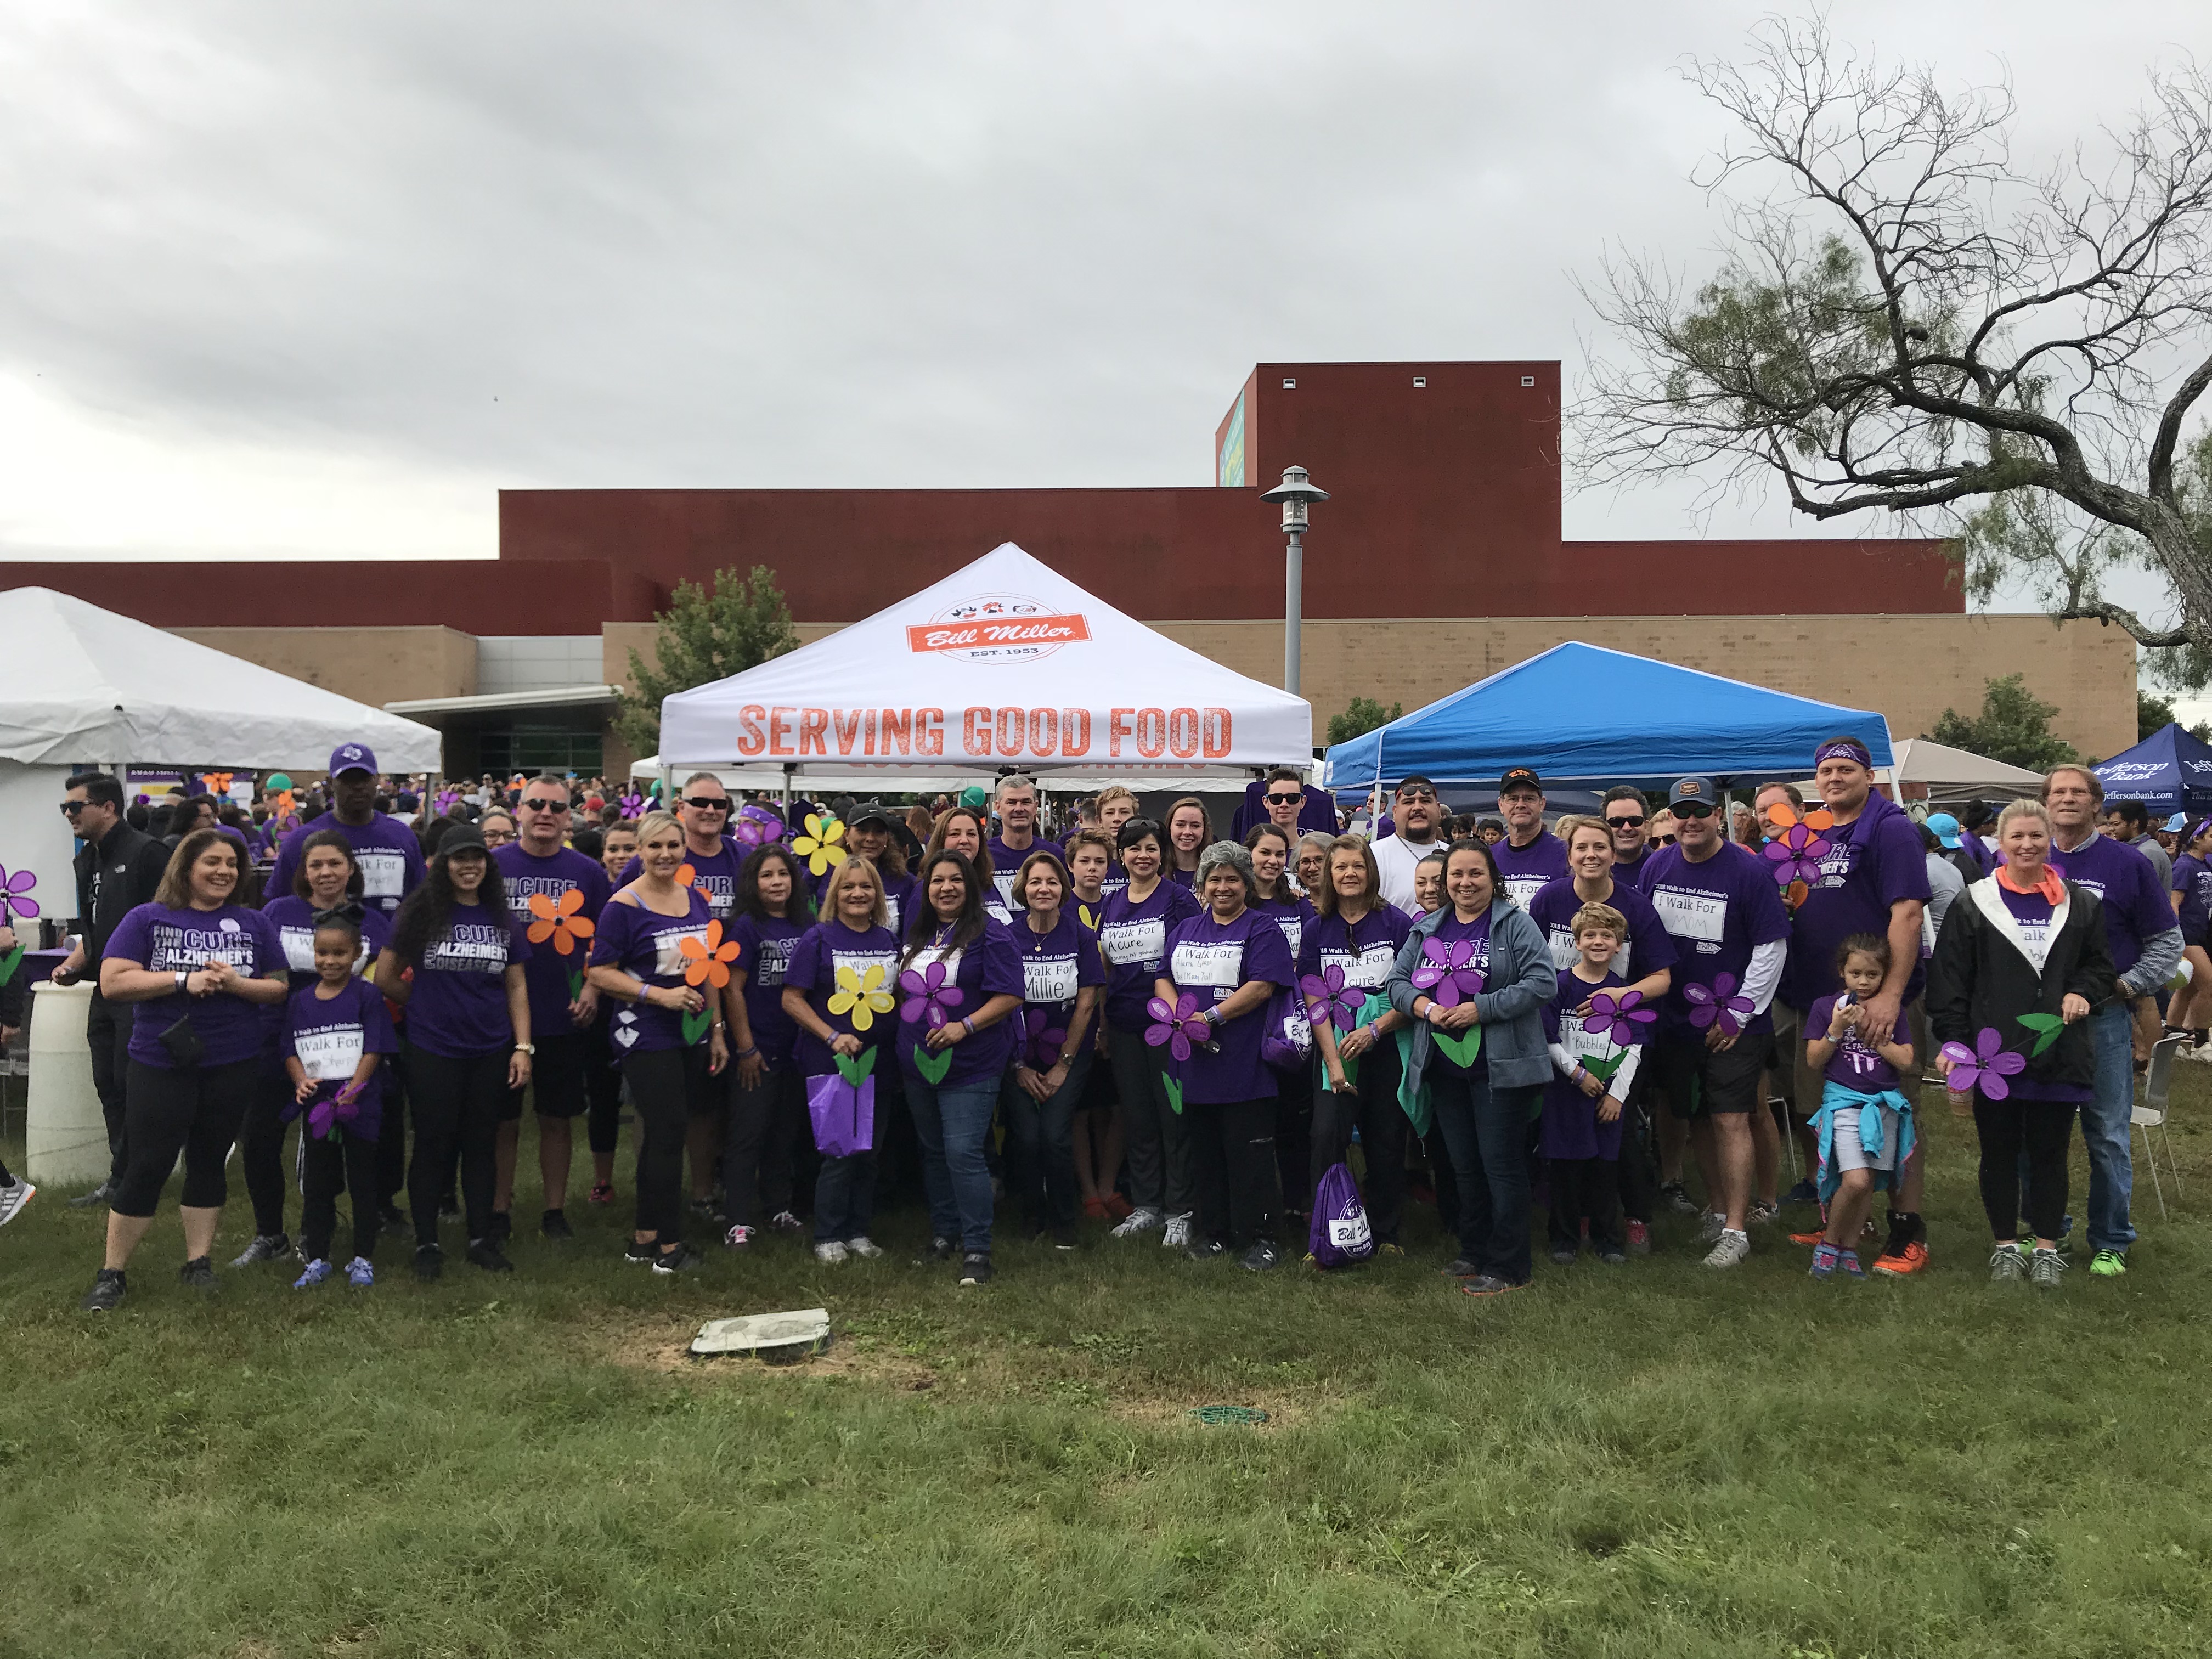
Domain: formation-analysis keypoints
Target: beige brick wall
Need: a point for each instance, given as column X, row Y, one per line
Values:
column 374, row 666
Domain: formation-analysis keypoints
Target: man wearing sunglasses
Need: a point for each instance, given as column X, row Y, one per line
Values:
column 118, row 870
column 703, row 809
column 538, row 864
column 1419, row 820
column 1630, row 823
column 386, row 851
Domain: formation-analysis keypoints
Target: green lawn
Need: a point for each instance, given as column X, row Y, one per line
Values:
column 1651, row 1460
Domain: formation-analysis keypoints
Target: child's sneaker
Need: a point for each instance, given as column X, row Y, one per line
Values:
column 359, row 1273
column 1824, row 1258
column 318, row 1270
column 737, row 1237
column 1850, row 1263
column 1639, row 1239
column 784, row 1222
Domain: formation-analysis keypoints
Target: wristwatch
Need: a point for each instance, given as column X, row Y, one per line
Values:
column 183, row 979
column 530, row 1048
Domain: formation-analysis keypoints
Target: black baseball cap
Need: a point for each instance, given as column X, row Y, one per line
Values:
column 463, row 837
column 868, row 812
column 1693, row 789
column 1515, row 776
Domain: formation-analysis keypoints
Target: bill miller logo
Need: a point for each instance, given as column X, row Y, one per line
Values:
column 997, row 627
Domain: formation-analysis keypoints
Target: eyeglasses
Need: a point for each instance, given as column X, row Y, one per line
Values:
column 1636, row 823
column 1662, row 841
column 536, row 804
column 1694, row 809
column 71, row 808
column 706, row 803
column 1286, row 800
column 1415, row 797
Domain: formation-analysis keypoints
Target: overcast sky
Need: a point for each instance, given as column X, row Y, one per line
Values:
column 286, row 280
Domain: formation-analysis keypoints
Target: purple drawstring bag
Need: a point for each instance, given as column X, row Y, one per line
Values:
column 1339, row 1235
column 842, row 1104
column 1287, row 1040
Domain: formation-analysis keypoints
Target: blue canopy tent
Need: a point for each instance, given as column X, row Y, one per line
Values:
column 2169, row 771
column 1579, row 713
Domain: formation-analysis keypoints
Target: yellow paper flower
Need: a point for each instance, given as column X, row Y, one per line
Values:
column 820, row 846
column 863, row 997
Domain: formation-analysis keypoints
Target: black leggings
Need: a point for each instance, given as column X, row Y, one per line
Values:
column 457, row 1109
column 195, row 1110
column 667, row 1086
column 2042, row 1128
column 757, row 1152
column 391, row 1146
column 261, row 1148
column 602, row 1089
column 349, row 1161
column 1232, row 1154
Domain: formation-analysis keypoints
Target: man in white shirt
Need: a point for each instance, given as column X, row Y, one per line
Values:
column 1419, row 819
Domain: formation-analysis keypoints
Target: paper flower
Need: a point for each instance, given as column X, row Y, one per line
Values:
column 756, row 825
column 557, row 920
column 1447, row 972
column 1041, row 1038
column 444, row 802
column 862, row 995
column 633, row 806
column 1985, row 1067
column 1615, row 1017
column 1327, row 996
column 929, row 999
column 708, row 964
column 819, row 846
column 1795, row 855
column 13, row 887
column 1178, row 1028
column 1719, row 1004
column 329, row 1111
column 215, row 783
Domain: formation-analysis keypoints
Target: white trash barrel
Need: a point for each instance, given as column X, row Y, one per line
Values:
column 67, row 1135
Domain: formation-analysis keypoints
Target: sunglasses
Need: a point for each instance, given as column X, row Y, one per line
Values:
column 1415, row 797
column 1662, row 841
column 1694, row 809
column 1284, row 800
column 706, row 803
column 1636, row 823
column 71, row 808
column 535, row 805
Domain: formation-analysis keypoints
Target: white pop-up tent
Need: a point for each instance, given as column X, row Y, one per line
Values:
column 1004, row 664
column 83, row 686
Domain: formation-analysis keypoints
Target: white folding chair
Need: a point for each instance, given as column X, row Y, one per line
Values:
column 2150, row 1111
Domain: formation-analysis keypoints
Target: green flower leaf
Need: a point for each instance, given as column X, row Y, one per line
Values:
column 2042, row 1021
column 1174, row 1093
column 9, row 963
column 1602, row 1070
column 1461, row 1050
column 854, row 1070
column 931, row 1067
column 696, row 1025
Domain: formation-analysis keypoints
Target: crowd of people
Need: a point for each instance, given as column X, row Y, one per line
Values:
column 1136, row 1021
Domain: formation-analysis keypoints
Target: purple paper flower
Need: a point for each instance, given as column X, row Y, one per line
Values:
column 1041, row 1038
column 1179, row 1028
column 1615, row 1017
column 632, row 805
column 755, row 826
column 1447, row 972
column 1326, row 992
column 1796, row 854
column 12, row 889
column 330, row 1110
column 1985, row 1067
column 1720, row 1004
column 928, row 997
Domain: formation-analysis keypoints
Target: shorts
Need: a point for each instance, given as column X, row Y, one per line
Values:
column 2192, row 935
column 1849, row 1154
column 1700, row 1082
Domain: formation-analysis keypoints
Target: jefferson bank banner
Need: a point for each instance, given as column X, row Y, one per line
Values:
column 1004, row 663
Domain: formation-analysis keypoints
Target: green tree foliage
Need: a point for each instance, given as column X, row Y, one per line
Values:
column 1360, row 716
column 2152, row 714
column 704, row 637
column 2014, row 726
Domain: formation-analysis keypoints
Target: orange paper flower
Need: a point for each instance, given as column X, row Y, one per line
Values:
column 708, row 964
column 558, row 920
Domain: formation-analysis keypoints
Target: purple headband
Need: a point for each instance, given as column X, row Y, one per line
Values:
column 1848, row 748
column 2196, row 832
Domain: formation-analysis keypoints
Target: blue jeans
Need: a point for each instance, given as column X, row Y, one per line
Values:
column 1486, row 1131
column 953, row 1124
column 845, row 1198
column 2104, row 1128
column 1044, row 1131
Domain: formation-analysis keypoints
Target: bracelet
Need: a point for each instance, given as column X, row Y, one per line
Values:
column 744, row 1053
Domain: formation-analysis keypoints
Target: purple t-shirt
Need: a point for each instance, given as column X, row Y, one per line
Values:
column 982, row 968
column 1571, row 1128
column 1006, row 864
column 2032, row 912
column 167, row 941
column 548, row 972
column 1186, row 880
column 294, row 919
column 1856, row 1063
column 649, row 947
column 1634, row 875
column 1716, row 913
column 1872, row 862
column 1648, row 948
column 458, row 1009
column 330, row 1038
column 764, row 948
column 1211, row 960
column 1451, row 931
column 390, row 857
column 2192, row 879
column 714, row 874
column 1291, row 914
column 898, row 896
column 826, row 947
column 2136, row 908
column 1523, row 870
column 1134, row 939
column 1363, row 951
column 1056, row 967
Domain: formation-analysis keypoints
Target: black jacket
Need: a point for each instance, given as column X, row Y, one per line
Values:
column 1980, row 978
column 113, row 879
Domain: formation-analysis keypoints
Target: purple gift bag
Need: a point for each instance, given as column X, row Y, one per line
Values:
column 842, row 1104
column 1287, row 1040
column 1339, row 1235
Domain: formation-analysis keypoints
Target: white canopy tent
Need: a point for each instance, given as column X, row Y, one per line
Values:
column 83, row 686
column 1004, row 665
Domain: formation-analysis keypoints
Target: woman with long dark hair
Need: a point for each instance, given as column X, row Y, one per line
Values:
column 1356, row 937
column 467, row 1035
column 1134, row 939
column 1061, row 976
column 967, row 831
column 772, row 914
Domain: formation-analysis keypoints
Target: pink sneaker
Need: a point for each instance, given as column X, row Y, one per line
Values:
column 1639, row 1239
column 737, row 1237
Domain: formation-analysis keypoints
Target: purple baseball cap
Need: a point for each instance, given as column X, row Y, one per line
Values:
column 352, row 758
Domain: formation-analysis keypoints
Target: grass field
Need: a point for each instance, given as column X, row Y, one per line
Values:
column 1649, row 1461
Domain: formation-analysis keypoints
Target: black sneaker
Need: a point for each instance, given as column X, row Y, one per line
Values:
column 107, row 1290
column 1261, row 1258
column 704, row 1209
column 681, row 1259
column 1677, row 1198
column 644, row 1254
column 1204, row 1249
column 555, row 1224
column 395, row 1220
column 974, row 1270
column 941, row 1250
column 429, row 1262
column 266, row 1247
column 502, row 1228
column 98, row 1194
column 1062, row 1238
column 484, row 1253
column 199, row 1273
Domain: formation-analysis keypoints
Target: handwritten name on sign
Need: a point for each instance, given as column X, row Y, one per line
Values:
column 1069, row 734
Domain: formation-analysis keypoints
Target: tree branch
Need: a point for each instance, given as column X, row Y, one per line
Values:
column 2136, row 629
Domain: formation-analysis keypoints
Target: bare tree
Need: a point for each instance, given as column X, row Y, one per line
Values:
column 1905, row 319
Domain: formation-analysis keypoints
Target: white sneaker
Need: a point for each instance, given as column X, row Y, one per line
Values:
column 1178, row 1231
column 12, row 1199
column 864, row 1246
column 1711, row 1228
column 1732, row 1248
column 1139, row 1220
column 829, row 1253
